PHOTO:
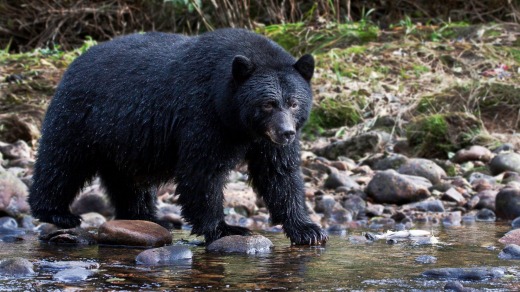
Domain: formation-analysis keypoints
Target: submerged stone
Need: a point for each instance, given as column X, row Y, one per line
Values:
column 510, row 252
column 479, row 273
column 73, row 275
column 164, row 255
column 241, row 244
column 16, row 267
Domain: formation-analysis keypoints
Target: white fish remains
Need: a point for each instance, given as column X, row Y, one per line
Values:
column 419, row 236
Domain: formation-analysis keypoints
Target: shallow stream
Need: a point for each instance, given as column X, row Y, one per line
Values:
column 341, row 265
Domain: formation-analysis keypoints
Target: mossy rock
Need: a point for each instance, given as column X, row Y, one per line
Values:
column 438, row 134
column 334, row 112
column 485, row 100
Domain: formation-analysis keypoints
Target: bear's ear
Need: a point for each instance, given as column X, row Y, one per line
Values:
column 242, row 68
column 305, row 65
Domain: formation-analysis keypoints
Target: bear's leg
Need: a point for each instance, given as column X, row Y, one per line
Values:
column 130, row 201
column 201, row 199
column 57, row 180
column 275, row 175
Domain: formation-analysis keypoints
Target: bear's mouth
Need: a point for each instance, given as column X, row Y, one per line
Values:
column 279, row 138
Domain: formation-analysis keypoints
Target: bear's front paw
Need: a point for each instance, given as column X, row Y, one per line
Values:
column 64, row 221
column 225, row 230
column 306, row 234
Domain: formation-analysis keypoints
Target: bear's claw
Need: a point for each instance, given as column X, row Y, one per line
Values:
column 307, row 234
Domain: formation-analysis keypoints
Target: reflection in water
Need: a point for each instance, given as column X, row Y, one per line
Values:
column 340, row 265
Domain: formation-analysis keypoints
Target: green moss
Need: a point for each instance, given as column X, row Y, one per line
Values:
column 335, row 112
column 436, row 135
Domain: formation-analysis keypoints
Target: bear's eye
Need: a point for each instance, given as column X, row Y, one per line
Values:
column 268, row 106
column 293, row 104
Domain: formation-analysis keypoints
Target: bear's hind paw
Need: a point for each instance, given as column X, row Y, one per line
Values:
column 64, row 221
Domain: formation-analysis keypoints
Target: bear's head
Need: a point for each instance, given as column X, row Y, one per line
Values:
column 272, row 102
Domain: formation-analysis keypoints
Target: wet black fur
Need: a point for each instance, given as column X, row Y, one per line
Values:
column 146, row 109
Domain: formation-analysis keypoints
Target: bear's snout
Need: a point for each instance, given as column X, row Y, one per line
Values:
column 281, row 129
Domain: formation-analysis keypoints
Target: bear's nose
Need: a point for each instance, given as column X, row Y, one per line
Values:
column 288, row 134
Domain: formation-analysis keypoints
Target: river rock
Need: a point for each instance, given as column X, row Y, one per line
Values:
column 164, row 255
column 355, row 204
column 474, row 152
column 428, row 205
column 474, row 274
column 13, row 195
column 510, row 176
column 392, row 161
column 486, row 215
column 338, row 179
column 133, row 233
column 63, row 265
column 92, row 220
column 16, row 150
column 356, row 146
column 487, row 199
column 456, row 286
column 472, row 202
column 16, row 267
column 78, row 236
column 241, row 244
column 324, row 204
column 8, row 223
column 504, row 162
column 452, row 218
column 510, row 252
column 426, row 259
column 453, row 195
column 73, row 275
column 512, row 237
column 516, row 223
column 390, row 187
column 424, row 168
column 507, row 203
column 239, row 195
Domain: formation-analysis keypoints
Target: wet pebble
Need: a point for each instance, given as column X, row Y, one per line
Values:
column 427, row 205
column 77, row 236
column 324, row 204
column 426, row 259
column 510, row 252
column 507, row 203
column 62, row 265
column 456, row 286
column 512, row 237
column 487, row 199
column 452, row 218
column 355, row 204
column 388, row 186
column 338, row 179
column 73, row 275
column 16, row 267
column 423, row 168
column 473, row 153
column 453, row 195
column 133, row 233
column 13, row 195
column 164, row 255
column 241, row 244
column 472, row 203
column 504, row 162
column 516, row 223
column 486, row 215
column 478, row 273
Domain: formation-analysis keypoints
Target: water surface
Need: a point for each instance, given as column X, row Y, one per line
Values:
column 341, row 265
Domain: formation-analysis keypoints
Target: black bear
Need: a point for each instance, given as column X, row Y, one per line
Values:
column 146, row 109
